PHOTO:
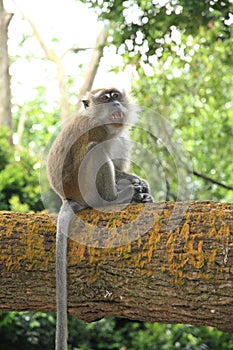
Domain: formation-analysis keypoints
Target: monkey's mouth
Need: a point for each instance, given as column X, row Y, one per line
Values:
column 117, row 119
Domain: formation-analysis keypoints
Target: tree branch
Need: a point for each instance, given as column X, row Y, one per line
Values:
column 93, row 65
column 175, row 265
column 50, row 55
column 210, row 179
column 167, row 138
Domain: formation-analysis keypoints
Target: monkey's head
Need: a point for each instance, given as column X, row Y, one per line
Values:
column 110, row 108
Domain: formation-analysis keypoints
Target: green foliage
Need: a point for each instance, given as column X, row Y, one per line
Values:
column 19, row 169
column 195, row 98
column 142, row 27
column 19, row 186
column 32, row 331
column 41, row 118
column 26, row 331
column 5, row 150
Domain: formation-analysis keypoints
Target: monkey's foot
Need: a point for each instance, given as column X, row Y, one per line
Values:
column 141, row 190
column 140, row 185
column 142, row 198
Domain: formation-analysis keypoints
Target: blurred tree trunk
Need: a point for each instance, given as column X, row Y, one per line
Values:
column 5, row 92
column 50, row 55
column 93, row 66
column 20, row 128
column 176, row 267
column 90, row 74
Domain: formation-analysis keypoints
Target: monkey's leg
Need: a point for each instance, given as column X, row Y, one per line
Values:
column 97, row 179
column 138, row 183
column 108, row 189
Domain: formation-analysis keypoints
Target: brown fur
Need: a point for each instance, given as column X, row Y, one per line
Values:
column 71, row 145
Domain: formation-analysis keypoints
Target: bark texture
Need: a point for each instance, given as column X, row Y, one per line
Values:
column 163, row 262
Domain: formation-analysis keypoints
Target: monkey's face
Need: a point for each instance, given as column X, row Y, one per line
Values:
column 109, row 108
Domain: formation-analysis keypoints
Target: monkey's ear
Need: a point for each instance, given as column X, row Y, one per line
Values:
column 85, row 103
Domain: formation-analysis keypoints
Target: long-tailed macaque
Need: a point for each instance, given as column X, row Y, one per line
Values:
column 87, row 167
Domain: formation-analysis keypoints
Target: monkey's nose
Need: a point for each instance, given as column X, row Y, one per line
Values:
column 116, row 103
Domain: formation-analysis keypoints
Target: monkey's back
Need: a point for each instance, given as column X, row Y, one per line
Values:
column 64, row 159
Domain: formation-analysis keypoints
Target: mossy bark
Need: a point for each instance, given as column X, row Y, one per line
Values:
column 176, row 267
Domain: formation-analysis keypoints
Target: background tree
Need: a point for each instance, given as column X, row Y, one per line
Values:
column 182, row 54
column 5, row 93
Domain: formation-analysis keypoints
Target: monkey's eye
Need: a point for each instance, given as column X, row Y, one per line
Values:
column 116, row 95
column 104, row 98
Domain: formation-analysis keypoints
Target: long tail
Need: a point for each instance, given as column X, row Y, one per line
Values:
column 64, row 217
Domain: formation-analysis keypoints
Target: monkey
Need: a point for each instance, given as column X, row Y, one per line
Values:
column 87, row 167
